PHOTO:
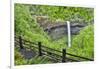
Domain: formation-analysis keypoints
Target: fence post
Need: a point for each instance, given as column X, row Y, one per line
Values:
column 20, row 42
column 40, row 51
column 63, row 55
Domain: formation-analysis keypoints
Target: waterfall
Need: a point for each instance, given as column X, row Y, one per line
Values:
column 69, row 34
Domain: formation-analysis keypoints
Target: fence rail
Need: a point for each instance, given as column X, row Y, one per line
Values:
column 43, row 50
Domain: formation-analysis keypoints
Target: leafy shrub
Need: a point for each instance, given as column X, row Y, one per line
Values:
column 19, row 59
column 83, row 44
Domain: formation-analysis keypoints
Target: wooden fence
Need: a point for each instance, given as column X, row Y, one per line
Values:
column 44, row 50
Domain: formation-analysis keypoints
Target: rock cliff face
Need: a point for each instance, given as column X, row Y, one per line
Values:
column 61, row 30
column 58, row 29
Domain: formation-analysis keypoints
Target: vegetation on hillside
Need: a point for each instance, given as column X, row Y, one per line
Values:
column 83, row 44
column 26, row 26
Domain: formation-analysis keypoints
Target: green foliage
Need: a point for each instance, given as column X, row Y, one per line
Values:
column 76, row 14
column 19, row 59
column 83, row 44
column 22, row 18
column 26, row 26
column 39, row 60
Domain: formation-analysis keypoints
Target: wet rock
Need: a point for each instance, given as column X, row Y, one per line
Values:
column 61, row 30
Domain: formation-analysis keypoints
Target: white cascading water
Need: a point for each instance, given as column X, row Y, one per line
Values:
column 69, row 34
